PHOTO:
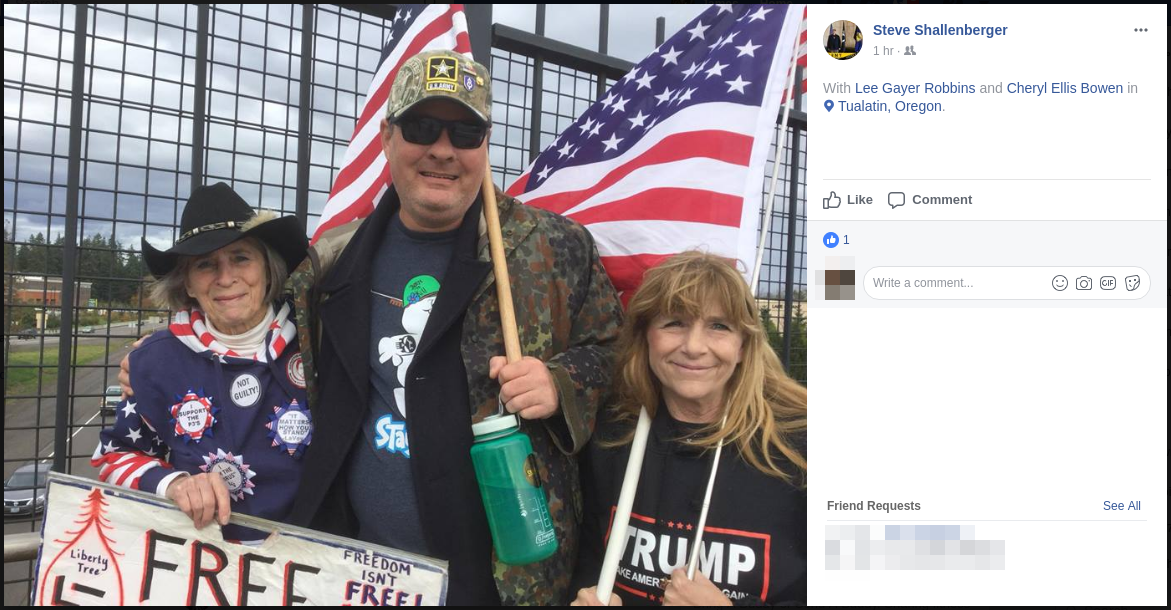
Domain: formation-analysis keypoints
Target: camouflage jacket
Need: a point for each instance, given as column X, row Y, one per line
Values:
column 568, row 316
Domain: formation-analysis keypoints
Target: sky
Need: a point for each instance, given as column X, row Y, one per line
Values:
column 632, row 26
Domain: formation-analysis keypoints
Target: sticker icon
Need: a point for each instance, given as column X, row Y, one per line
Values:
column 291, row 428
column 193, row 416
column 236, row 474
column 1132, row 282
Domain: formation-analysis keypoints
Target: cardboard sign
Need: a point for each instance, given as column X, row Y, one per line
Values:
column 104, row 545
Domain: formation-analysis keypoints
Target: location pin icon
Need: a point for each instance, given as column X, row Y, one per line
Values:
column 829, row 105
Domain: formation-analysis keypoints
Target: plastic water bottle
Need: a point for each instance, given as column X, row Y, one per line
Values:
column 510, row 485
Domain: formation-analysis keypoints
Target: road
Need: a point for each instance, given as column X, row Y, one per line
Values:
column 118, row 329
column 28, row 432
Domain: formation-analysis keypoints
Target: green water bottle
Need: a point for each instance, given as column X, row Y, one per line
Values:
column 510, row 485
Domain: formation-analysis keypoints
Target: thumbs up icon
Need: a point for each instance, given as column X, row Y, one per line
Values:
column 832, row 201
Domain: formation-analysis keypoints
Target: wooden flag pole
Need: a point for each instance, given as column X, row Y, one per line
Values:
column 500, row 269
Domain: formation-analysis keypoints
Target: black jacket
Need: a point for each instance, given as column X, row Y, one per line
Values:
column 454, row 526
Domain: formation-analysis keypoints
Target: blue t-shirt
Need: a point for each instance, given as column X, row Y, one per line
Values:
column 409, row 267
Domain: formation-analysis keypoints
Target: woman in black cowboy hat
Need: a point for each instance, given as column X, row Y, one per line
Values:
column 218, row 420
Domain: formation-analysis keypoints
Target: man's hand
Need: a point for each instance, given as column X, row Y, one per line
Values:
column 526, row 387
column 589, row 597
column 202, row 497
column 682, row 591
column 124, row 370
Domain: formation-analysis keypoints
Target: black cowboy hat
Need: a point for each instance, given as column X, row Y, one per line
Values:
column 213, row 218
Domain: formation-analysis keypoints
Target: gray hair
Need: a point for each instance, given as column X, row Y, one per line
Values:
column 170, row 291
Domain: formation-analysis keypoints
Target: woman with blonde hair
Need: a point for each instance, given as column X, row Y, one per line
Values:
column 694, row 353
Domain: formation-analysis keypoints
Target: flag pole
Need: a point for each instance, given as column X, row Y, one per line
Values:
column 617, row 542
column 500, row 269
column 772, row 191
column 707, row 497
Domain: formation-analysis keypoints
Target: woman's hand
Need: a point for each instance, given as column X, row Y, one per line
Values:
column 589, row 597
column 681, row 591
column 202, row 497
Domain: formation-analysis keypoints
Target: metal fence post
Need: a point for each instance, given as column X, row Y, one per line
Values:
column 791, row 246
column 480, row 31
column 69, row 257
column 538, row 92
column 199, row 120
column 603, row 42
column 305, row 113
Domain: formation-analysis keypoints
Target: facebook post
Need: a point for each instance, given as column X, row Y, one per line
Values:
column 406, row 304
column 988, row 331
column 585, row 304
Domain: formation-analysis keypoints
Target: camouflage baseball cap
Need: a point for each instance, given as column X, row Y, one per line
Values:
column 441, row 74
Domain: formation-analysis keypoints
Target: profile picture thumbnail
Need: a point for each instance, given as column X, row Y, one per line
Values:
column 842, row 39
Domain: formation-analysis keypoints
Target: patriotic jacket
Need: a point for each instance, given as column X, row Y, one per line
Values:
column 754, row 539
column 568, row 316
column 199, row 407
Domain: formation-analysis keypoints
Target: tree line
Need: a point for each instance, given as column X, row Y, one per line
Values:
column 114, row 271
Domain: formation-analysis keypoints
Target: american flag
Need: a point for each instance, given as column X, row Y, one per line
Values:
column 673, row 157
column 364, row 172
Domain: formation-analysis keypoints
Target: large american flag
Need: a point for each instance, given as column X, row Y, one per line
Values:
column 673, row 157
column 364, row 172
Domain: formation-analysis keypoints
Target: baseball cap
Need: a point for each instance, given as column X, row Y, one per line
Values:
column 441, row 74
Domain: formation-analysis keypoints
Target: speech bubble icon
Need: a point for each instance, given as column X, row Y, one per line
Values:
column 833, row 201
column 896, row 199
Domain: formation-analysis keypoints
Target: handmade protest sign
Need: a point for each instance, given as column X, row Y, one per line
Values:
column 104, row 545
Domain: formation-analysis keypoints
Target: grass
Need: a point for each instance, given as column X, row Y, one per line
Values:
column 21, row 381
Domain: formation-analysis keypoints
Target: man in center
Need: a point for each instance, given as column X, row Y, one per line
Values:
column 401, row 335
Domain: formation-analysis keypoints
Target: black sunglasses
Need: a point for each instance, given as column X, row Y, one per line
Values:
column 426, row 130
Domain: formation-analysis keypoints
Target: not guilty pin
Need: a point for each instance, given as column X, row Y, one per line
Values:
column 829, row 105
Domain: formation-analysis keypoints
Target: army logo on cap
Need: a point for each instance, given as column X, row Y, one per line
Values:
column 441, row 74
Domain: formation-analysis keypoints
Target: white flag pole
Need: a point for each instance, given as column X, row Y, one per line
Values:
column 617, row 542
column 707, row 497
column 782, row 129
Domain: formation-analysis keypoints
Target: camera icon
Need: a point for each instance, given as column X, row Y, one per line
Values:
column 1083, row 283
column 1107, row 282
